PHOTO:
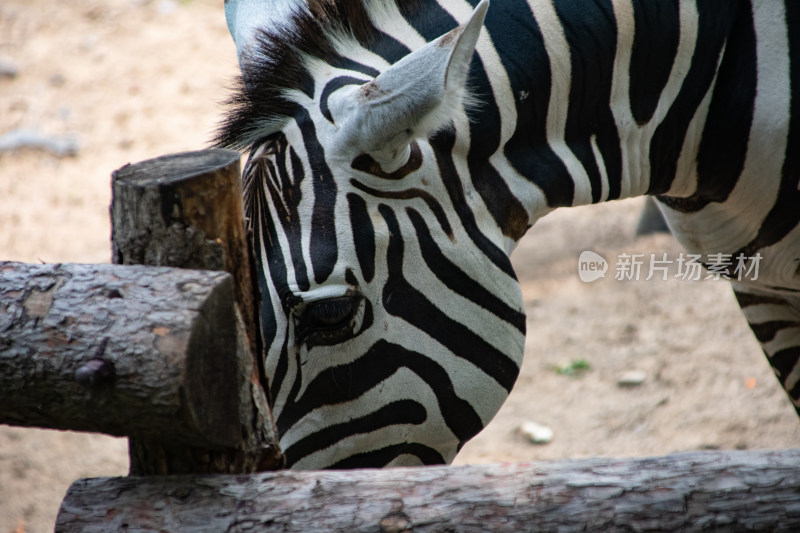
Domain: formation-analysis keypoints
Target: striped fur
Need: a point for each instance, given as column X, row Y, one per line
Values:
column 393, row 322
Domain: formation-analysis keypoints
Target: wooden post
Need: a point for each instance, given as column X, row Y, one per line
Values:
column 185, row 210
column 701, row 491
column 122, row 350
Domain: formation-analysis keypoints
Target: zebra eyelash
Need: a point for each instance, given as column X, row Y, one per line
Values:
column 328, row 321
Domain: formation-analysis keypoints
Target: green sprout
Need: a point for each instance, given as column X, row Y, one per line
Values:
column 575, row 367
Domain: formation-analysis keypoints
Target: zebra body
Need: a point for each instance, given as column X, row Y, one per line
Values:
column 396, row 158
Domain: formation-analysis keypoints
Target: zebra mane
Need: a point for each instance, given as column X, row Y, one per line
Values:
column 258, row 105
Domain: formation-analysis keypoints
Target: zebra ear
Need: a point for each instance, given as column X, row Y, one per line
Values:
column 245, row 17
column 411, row 99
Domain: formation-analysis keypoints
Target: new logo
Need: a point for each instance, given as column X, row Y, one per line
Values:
column 591, row 266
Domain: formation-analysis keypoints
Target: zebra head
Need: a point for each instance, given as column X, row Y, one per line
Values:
column 393, row 322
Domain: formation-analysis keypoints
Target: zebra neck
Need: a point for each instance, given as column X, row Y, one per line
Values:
column 602, row 102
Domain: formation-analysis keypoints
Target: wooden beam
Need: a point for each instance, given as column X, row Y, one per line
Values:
column 702, row 491
column 123, row 350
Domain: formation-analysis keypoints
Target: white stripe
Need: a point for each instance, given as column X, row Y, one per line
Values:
column 757, row 314
column 635, row 140
column 736, row 222
column 387, row 18
column 785, row 338
column 601, row 165
column 403, row 384
column 557, row 49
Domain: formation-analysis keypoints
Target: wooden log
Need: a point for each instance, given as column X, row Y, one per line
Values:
column 185, row 210
column 123, row 350
column 701, row 491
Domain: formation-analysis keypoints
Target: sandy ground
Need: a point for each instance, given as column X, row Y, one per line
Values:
column 134, row 79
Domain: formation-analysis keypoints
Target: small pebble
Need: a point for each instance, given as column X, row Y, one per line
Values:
column 536, row 433
column 8, row 70
column 57, row 80
column 59, row 145
column 167, row 7
column 632, row 378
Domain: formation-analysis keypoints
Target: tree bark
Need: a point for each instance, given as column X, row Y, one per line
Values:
column 185, row 210
column 702, row 491
column 123, row 350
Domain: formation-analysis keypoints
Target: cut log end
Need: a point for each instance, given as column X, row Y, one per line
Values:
column 122, row 350
column 174, row 168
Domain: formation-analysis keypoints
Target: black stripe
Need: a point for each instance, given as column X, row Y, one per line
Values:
column 298, row 261
column 395, row 413
column 519, row 43
column 363, row 235
column 715, row 21
column 785, row 214
column 784, row 361
column 286, row 191
column 312, row 30
column 766, row 331
column 382, row 457
column 401, row 299
column 278, row 378
column 409, row 194
column 591, row 33
column 794, row 394
column 747, row 299
column 269, row 325
column 655, row 43
column 443, row 143
column 297, row 382
column 723, row 147
column 366, row 163
column 276, row 265
column 457, row 280
column 323, row 247
column 347, row 382
column 332, row 86
column 276, row 269
column 345, row 63
column 389, row 48
column 353, row 16
column 608, row 143
column 427, row 17
column 484, row 126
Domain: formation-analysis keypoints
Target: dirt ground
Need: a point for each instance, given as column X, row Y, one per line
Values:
column 134, row 79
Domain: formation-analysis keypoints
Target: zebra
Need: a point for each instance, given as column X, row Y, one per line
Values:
column 399, row 149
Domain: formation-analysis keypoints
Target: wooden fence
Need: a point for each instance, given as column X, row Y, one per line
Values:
column 163, row 347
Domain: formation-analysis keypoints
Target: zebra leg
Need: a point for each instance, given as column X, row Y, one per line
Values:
column 774, row 318
column 651, row 220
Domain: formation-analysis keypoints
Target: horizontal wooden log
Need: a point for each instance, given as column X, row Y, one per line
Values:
column 123, row 350
column 703, row 491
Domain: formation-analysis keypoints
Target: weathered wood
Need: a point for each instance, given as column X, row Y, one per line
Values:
column 704, row 491
column 123, row 350
column 185, row 210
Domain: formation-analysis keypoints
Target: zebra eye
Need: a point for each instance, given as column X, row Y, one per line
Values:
column 328, row 321
column 331, row 312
